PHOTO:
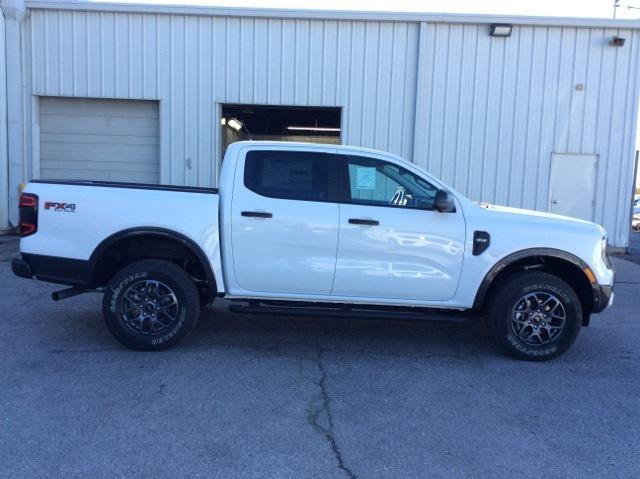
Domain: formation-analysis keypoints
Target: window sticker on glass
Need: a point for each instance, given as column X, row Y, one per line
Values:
column 365, row 178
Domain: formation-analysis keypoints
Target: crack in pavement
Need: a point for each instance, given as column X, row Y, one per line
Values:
column 319, row 412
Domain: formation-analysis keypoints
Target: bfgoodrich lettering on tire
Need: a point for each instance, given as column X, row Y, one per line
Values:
column 151, row 305
column 534, row 316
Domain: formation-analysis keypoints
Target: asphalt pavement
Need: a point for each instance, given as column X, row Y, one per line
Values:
column 634, row 248
column 283, row 397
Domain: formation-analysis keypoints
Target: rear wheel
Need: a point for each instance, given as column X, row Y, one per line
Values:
column 534, row 316
column 151, row 305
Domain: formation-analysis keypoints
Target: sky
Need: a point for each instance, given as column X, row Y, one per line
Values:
column 553, row 8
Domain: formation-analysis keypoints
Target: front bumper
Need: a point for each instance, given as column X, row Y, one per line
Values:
column 21, row 268
column 602, row 297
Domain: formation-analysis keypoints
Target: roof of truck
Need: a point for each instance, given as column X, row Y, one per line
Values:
column 290, row 144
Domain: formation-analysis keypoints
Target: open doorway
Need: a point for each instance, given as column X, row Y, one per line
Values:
column 279, row 123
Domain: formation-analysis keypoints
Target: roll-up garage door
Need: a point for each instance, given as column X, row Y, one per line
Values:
column 91, row 139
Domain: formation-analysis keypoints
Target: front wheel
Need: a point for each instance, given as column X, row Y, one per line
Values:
column 534, row 316
column 151, row 305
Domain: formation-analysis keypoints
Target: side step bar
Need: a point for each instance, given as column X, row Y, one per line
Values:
column 71, row 292
column 407, row 314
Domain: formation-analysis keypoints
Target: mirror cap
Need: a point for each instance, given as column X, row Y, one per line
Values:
column 443, row 202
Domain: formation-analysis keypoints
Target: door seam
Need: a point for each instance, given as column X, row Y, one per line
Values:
column 335, row 267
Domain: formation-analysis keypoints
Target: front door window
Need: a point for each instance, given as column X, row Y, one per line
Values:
column 379, row 183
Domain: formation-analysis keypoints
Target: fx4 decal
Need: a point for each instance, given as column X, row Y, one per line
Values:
column 66, row 207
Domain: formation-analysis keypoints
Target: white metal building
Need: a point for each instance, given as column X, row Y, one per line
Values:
column 544, row 118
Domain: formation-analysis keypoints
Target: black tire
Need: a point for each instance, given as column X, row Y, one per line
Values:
column 151, row 305
column 514, row 314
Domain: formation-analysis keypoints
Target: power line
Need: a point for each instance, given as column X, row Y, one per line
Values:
column 617, row 4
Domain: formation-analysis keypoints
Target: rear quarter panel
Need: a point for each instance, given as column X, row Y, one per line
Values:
column 104, row 211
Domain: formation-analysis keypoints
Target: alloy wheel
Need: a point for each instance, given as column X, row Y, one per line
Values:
column 538, row 318
column 149, row 307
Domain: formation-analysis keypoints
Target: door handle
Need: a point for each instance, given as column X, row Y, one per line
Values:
column 361, row 221
column 257, row 214
column 554, row 202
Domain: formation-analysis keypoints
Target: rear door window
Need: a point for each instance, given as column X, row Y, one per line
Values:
column 291, row 175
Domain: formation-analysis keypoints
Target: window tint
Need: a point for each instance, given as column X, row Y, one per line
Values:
column 288, row 174
column 379, row 183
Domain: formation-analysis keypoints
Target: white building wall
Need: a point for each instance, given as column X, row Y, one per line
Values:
column 491, row 111
column 483, row 113
column 193, row 63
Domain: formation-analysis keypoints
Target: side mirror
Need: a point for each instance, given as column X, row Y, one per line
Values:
column 443, row 202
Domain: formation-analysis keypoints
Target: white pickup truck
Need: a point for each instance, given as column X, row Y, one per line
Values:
column 314, row 229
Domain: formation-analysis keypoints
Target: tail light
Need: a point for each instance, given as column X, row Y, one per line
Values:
column 28, row 206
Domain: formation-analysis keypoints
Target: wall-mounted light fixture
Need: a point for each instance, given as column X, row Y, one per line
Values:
column 235, row 124
column 616, row 41
column 500, row 29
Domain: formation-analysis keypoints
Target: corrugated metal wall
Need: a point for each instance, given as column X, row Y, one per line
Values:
column 491, row 111
column 483, row 113
column 190, row 63
column 4, row 159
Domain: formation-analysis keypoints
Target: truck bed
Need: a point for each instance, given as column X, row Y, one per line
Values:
column 79, row 219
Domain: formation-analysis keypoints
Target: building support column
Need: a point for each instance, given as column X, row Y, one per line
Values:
column 4, row 158
column 14, row 13
column 421, row 121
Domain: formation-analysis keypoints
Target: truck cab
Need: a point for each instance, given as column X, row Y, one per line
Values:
column 337, row 224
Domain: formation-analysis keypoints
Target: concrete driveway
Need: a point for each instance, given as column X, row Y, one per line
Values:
column 295, row 397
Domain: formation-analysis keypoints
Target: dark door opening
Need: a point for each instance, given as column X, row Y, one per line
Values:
column 279, row 123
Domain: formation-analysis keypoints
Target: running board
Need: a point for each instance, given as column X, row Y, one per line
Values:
column 422, row 314
column 71, row 292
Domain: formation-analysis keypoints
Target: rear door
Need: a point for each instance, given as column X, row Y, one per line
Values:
column 285, row 221
column 393, row 246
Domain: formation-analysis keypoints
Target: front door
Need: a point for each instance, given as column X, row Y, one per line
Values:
column 284, row 227
column 572, row 185
column 393, row 245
